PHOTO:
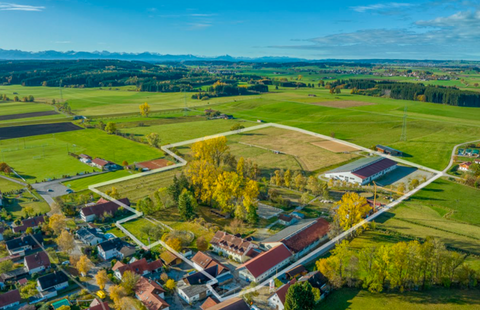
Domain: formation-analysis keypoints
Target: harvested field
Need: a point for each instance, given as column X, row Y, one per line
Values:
column 26, row 115
column 154, row 164
column 335, row 147
column 292, row 143
column 36, row 130
column 342, row 104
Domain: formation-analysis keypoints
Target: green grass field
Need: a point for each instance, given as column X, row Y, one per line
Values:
column 193, row 128
column 84, row 183
column 45, row 157
column 117, row 100
column 19, row 202
column 7, row 186
column 432, row 129
column 139, row 188
column 443, row 209
column 433, row 299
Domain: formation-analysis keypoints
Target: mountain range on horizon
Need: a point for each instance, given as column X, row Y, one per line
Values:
column 157, row 57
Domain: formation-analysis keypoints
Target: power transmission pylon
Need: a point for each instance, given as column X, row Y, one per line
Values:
column 404, row 127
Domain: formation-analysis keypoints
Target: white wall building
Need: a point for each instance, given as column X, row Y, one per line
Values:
column 363, row 171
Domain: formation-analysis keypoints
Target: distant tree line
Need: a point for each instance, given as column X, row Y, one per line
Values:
column 411, row 91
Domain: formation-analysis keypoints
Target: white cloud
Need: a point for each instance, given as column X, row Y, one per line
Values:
column 4, row 6
column 380, row 7
column 453, row 37
column 198, row 26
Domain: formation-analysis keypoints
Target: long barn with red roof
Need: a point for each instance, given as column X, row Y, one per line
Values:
column 363, row 171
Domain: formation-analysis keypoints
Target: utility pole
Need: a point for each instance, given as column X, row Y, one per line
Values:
column 403, row 137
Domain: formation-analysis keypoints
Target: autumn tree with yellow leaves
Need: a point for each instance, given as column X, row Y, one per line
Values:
column 144, row 109
column 84, row 265
column 351, row 210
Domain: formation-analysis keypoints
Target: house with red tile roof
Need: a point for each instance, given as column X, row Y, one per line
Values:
column 36, row 262
column 232, row 246
column 465, row 166
column 277, row 299
column 98, row 210
column 203, row 261
column 265, row 264
column 10, row 299
column 151, row 294
column 32, row 222
column 304, row 239
column 140, row 267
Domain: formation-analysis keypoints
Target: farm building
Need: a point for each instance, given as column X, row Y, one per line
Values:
column 232, row 245
column 363, row 171
column 265, row 264
column 103, row 164
column 388, row 150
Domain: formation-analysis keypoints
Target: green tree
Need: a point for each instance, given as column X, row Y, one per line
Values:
column 111, row 128
column 153, row 139
column 300, row 297
column 187, row 205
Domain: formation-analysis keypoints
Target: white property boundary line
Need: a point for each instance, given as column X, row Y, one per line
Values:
column 319, row 251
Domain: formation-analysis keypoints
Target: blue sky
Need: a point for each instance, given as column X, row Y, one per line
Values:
column 436, row 29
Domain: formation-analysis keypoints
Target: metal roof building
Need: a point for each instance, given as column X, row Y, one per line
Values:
column 363, row 171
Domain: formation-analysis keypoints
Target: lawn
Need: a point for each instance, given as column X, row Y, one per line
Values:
column 7, row 186
column 84, row 183
column 114, row 101
column 138, row 188
column 433, row 299
column 46, row 156
column 19, row 202
column 194, row 127
column 443, row 209
column 134, row 228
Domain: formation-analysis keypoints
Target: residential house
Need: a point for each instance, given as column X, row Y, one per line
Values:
column 232, row 246
column 265, row 264
column 202, row 261
column 53, row 281
column 465, row 166
column 277, row 299
column 170, row 259
column 115, row 248
column 37, row 262
column 140, row 267
column 33, row 222
column 477, row 161
column 103, row 164
column 10, row 299
column 286, row 220
column 24, row 243
column 151, row 294
column 102, row 207
column 317, row 280
column 89, row 236
column 235, row 303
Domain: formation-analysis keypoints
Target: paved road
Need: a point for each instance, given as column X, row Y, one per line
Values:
column 454, row 152
column 13, row 180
